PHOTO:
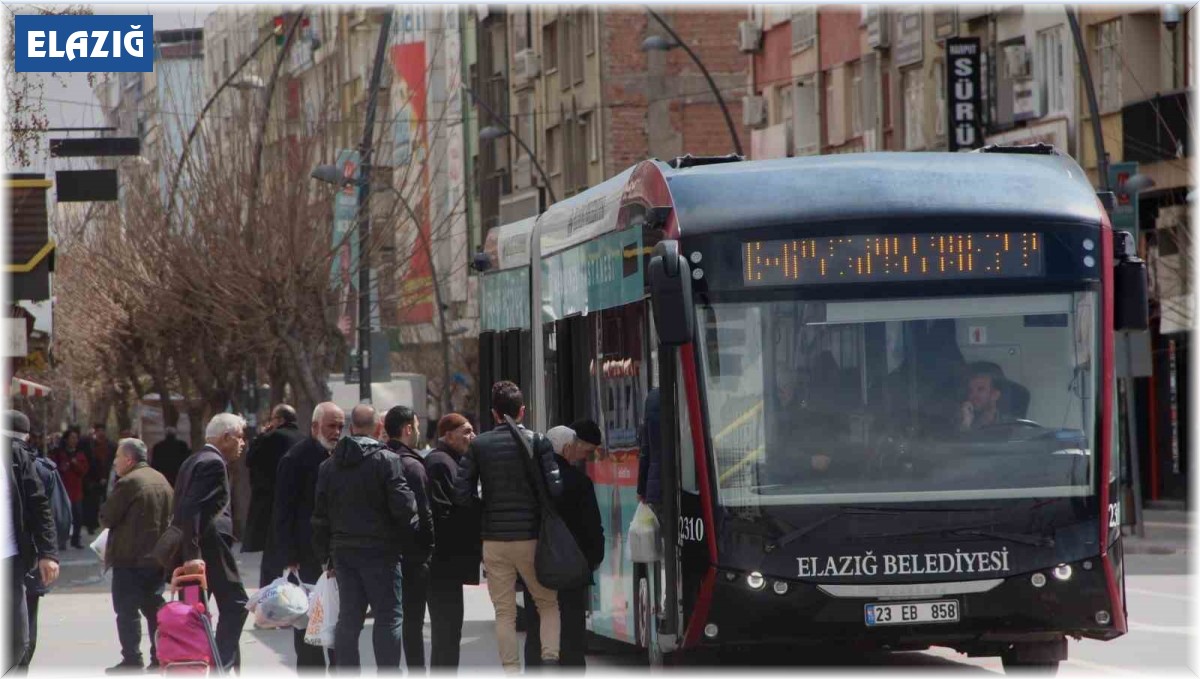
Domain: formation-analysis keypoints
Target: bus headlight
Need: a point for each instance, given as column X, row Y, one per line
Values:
column 710, row 631
column 1062, row 571
column 1038, row 580
column 755, row 580
column 1103, row 618
column 780, row 587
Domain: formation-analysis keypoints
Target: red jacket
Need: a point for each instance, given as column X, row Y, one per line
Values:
column 72, row 467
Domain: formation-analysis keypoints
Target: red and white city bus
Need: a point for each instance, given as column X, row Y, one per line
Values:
column 886, row 383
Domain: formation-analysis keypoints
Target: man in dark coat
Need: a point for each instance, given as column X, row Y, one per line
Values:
column 262, row 460
column 363, row 515
column 649, row 482
column 511, row 519
column 295, row 497
column 137, row 513
column 168, row 454
column 202, row 500
column 100, row 453
column 404, row 431
column 27, row 535
column 579, row 510
column 457, row 550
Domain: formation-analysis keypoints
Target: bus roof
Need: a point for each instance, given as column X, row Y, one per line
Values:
column 862, row 186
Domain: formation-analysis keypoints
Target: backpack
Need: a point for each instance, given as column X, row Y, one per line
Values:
column 60, row 504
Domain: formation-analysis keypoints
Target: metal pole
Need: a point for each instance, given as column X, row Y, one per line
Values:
column 504, row 124
column 1089, row 89
column 737, row 144
column 1102, row 175
column 364, row 216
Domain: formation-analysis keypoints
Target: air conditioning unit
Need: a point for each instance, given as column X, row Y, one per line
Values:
column 754, row 111
column 526, row 66
column 749, row 36
column 1018, row 62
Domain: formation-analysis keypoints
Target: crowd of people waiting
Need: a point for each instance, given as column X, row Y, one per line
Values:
column 401, row 527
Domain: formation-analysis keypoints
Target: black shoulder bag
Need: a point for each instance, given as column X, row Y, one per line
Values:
column 558, row 562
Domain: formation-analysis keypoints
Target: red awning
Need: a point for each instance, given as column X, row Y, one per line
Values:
column 22, row 387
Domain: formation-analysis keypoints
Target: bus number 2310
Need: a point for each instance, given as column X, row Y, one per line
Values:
column 691, row 529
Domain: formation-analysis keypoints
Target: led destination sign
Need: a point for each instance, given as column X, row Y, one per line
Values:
column 907, row 257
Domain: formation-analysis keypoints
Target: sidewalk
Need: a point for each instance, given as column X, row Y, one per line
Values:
column 1165, row 532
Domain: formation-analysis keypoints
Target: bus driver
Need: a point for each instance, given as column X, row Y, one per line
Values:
column 982, row 407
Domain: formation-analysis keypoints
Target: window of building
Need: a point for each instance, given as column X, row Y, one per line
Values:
column 781, row 111
column 498, row 53
column 914, row 109
column 550, row 46
column 854, row 101
column 804, row 27
column 589, row 29
column 525, row 120
column 553, row 148
column 833, row 126
column 1107, row 60
column 939, row 98
column 579, row 153
column 806, row 119
column 578, row 31
column 590, row 125
column 1050, row 70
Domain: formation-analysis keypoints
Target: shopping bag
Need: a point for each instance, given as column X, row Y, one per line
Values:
column 322, row 612
column 100, row 544
column 643, row 537
column 279, row 604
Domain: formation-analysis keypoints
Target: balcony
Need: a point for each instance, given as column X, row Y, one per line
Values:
column 1156, row 129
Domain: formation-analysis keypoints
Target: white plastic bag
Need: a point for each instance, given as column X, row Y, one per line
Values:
column 322, row 612
column 100, row 544
column 644, row 536
column 279, row 604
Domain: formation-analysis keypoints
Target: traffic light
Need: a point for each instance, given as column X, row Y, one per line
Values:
column 277, row 29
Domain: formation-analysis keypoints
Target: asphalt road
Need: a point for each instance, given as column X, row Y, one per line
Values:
column 78, row 635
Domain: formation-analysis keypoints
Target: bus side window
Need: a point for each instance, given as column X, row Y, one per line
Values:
column 687, row 459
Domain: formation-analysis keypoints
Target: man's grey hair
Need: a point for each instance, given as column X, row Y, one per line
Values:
column 134, row 448
column 224, row 423
column 325, row 407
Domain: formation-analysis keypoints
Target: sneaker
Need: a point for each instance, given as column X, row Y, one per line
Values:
column 125, row 667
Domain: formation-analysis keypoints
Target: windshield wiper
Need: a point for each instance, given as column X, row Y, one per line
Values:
column 800, row 532
column 1035, row 540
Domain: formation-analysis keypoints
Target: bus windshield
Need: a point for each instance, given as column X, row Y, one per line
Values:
column 901, row 400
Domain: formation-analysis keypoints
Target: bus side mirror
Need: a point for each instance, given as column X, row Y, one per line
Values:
column 671, row 292
column 1131, row 294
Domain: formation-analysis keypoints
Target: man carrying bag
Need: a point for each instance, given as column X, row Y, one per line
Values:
column 513, row 519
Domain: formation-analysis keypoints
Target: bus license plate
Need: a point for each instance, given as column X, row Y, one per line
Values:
column 915, row 612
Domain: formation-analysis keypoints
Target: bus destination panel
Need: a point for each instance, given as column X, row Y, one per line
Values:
column 899, row 257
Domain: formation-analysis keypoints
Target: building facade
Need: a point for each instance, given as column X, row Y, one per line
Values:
column 844, row 79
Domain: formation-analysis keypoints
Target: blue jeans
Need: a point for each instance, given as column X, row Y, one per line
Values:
column 136, row 592
column 376, row 581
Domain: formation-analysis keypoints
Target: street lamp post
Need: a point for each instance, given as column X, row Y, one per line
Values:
column 500, row 128
column 659, row 44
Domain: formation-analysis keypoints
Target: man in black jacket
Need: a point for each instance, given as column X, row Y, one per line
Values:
column 579, row 510
column 511, row 518
column 295, row 497
column 262, row 460
column 168, row 454
column 202, row 498
column 403, row 432
column 27, row 534
column 364, row 513
column 457, row 550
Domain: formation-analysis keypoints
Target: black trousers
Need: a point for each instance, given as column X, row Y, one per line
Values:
column 76, row 526
column 415, row 591
column 309, row 657
column 225, row 585
column 136, row 592
column 446, row 622
column 32, row 600
column 375, row 582
column 19, row 614
column 572, row 641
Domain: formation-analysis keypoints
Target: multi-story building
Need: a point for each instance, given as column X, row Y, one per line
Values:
column 841, row 79
column 576, row 88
